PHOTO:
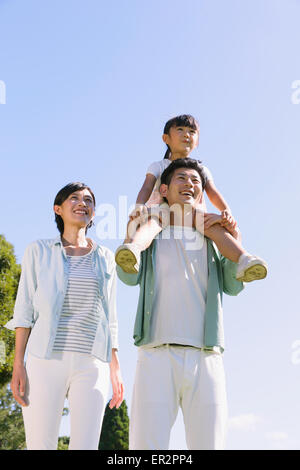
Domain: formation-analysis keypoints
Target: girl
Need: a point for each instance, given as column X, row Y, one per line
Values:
column 66, row 317
column 181, row 135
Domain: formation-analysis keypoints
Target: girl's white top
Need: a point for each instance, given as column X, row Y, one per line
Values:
column 156, row 169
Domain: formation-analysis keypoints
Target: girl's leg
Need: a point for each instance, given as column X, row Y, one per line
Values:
column 87, row 397
column 143, row 234
column 249, row 267
column 140, row 234
column 45, row 392
column 227, row 245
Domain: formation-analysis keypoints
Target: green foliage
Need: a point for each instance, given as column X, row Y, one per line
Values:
column 12, row 435
column 115, row 429
column 63, row 443
column 9, row 279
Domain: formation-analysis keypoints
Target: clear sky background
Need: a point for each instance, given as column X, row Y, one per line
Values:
column 89, row 87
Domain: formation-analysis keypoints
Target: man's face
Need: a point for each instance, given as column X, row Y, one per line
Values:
column 185, row 188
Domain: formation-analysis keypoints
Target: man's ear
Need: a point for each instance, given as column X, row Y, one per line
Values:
column 164, row 190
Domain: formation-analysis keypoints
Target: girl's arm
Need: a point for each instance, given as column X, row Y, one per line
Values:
column 216, row 197
column 219, row 202
column 146, row 189
column 18, row 382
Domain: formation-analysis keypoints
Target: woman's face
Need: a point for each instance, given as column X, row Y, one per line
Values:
column 77, row 210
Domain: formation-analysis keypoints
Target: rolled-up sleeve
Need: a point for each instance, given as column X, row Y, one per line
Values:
column 23, row 309
column 231, row 286
column 129, row 279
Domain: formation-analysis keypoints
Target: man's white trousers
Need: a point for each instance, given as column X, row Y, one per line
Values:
column 169, row 377
column 84, row 379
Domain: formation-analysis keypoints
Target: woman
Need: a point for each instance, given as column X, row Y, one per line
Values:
column 65, row 315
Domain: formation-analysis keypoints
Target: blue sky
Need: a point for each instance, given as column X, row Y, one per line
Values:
column 89, row 87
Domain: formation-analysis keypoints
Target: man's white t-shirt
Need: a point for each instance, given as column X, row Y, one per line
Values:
column 156, row 169
column 179, row 297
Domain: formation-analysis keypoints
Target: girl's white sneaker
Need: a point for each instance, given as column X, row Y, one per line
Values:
column 251, row 268
column 128, row 257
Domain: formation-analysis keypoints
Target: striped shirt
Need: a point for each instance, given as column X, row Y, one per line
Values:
column 79, row 318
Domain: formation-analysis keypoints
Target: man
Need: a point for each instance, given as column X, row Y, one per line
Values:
column 179, row 326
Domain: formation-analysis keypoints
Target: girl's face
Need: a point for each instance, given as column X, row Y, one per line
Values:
column 78, row 209
column 181, row 140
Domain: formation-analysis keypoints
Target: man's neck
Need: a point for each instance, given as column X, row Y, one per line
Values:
column 181, row 215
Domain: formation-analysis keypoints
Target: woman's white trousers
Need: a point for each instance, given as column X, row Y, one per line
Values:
column 84, row 380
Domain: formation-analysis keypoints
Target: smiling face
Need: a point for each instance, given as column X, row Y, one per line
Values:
column 182, row 140
column 77, row 210
column 185, row 187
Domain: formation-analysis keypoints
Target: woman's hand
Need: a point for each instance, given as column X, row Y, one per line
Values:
column 116, row 381
column 18, row 383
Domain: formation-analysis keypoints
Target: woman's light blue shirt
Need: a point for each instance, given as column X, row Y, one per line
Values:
column 41, row 293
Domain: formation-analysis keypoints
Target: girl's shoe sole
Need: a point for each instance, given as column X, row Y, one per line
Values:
column 127, row 261
column 254, row 273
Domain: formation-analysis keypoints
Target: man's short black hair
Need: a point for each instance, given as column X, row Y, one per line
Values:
column 182, row 163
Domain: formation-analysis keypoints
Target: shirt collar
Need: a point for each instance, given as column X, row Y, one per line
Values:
column 57, row 241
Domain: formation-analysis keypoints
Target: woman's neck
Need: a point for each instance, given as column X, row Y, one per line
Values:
column 75, row 238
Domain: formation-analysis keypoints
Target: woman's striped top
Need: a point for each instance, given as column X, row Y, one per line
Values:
column 79, row 318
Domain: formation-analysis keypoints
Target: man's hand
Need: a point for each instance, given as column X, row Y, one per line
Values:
column 225, row 220
column 140, row 210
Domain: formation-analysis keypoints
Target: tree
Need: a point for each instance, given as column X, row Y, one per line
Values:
column 12, row 435
column 115, row 429
column 9, row 279
column 63, row 443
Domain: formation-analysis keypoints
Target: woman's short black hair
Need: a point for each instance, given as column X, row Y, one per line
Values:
column 63, row 194
column 182, row 163
column 185, row 120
